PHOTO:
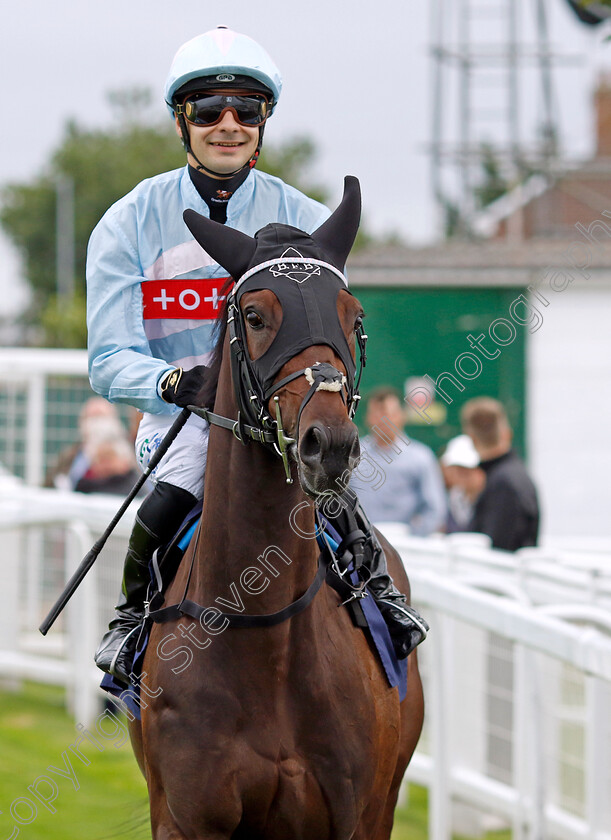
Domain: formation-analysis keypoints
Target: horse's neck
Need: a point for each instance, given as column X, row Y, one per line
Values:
column 251, row 519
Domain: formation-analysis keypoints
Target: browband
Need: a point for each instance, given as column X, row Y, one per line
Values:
column 292, row 261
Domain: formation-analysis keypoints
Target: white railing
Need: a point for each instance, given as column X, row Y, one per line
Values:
column 45, row 534
column 42, row 392
column 517, row 674
column 517, row 667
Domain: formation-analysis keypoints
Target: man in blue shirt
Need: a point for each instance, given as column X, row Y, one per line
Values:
column 399, row 479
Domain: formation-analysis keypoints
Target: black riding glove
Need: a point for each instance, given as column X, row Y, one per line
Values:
column 182, row 387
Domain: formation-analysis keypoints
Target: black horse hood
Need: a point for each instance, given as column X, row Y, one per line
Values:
column 303, row 270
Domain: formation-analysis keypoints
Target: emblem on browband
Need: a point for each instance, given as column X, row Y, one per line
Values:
column 297, row 271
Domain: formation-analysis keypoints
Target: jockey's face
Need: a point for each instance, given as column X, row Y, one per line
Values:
column 223, row 147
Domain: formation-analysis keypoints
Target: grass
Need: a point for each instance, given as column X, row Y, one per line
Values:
column 111, row 802
column 34, row 733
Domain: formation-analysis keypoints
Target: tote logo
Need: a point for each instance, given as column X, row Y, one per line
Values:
column 297, row 271
column 195, row 299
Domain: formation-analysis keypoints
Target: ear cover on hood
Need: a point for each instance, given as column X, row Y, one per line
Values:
column 232, row 249
column 336, row 236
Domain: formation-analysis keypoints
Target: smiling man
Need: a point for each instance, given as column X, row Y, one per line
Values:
column 153, row 296
column 153, row 293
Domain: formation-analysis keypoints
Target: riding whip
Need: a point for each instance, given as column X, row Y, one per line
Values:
column 90, row 558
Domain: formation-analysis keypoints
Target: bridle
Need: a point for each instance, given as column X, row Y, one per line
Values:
column 252, row 393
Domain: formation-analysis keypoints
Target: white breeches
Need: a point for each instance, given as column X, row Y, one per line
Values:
column 184, row 463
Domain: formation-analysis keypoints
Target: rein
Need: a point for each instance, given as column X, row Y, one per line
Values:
column 321, row 376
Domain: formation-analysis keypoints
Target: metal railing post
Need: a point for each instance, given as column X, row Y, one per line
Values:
column 35, row 430
column 82, row 626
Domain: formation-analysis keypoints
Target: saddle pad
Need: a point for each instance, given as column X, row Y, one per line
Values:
column 395, row 669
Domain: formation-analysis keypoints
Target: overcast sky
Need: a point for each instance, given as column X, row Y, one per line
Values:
column 356, row 78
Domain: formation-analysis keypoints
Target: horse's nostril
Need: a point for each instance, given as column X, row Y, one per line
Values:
column 313, row 445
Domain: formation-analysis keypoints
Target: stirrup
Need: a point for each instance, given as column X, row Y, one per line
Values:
column 413, row 616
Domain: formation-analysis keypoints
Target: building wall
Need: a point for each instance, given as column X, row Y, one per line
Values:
column 553, row 215
column 569, row 416
column 417, row 331
column 555, row 382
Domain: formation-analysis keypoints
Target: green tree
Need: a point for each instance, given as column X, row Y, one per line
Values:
column 103, row 165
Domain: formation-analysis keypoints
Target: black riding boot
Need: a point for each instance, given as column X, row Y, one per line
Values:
column 406, row 626
column 157, row 520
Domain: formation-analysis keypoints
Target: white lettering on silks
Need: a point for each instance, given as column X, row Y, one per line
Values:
column 215, row 298
column 164, row 299
column 184, row 304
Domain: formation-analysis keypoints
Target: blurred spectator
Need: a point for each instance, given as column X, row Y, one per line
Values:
column 464, row 481
column 508, row 509
column 112, row 467
column 98, row 420
column 406, row 483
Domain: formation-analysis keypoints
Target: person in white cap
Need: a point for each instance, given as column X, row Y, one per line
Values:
column 154, row 294
column 464, row 481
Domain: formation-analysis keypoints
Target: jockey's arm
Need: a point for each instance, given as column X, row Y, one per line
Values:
column 121, row 367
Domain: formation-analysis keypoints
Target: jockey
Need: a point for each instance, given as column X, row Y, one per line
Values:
column 153, row 296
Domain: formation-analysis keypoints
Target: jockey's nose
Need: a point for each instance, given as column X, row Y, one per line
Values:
column 228, row 122
column 329, row 449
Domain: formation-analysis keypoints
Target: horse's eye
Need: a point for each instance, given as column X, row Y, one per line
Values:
column 358, row 322
column 253, row 320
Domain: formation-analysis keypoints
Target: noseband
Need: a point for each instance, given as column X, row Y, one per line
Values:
column 249, row 377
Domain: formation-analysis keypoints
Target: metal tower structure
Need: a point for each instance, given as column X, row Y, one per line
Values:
column 493, row 99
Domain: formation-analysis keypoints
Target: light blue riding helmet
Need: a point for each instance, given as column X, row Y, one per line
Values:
column 220, row 56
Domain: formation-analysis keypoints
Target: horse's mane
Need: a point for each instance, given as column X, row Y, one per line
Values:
column 207, row 395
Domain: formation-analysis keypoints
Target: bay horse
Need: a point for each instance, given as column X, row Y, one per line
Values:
column 289, row 730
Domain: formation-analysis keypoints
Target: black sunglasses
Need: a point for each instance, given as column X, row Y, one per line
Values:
column 208, row 109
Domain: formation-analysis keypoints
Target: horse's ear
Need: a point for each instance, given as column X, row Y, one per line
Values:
column 231, row 248
column 336, row 236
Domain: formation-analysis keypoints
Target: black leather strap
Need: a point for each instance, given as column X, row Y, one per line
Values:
column 239, row 429
column 353, row 546
column 193, row 610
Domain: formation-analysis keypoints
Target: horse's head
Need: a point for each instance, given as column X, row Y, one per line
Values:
column 294, row 329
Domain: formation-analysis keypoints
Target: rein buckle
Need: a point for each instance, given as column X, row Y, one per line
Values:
column 237, row 430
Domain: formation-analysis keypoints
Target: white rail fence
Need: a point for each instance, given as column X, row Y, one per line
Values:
column 517, row 673
column 41, row 395
column 517, row 667
column 45, row 534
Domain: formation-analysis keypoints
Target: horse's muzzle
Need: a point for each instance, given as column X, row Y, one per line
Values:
column 327, row 456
